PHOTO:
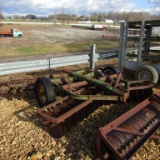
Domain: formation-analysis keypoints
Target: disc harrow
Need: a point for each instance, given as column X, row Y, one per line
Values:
column 61, row 116
column 17, row 86
column 78, row 90
column 67, row 98
column 121, row 138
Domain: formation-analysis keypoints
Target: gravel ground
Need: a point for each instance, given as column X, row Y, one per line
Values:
column 43, row 34
column 22, row 136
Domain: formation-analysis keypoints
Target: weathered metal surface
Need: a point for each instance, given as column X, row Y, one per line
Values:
column 113, row 87
column 137, row 50
column 61, row 117
column 17, row 86
column 121, row 138
column 104, row 85
column 35, row 65
column 80, row 90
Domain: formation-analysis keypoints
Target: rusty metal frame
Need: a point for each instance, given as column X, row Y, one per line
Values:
column 111, row 83
column 63, row 117
column 101, row 136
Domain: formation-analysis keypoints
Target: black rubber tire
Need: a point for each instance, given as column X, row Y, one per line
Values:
column 19, row 35
column 108, row 70
column 44, row 91
column 147, row 73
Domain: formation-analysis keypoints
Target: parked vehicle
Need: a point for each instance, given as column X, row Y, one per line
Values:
column 69, row 97
column 13, row 33
column 139, row 51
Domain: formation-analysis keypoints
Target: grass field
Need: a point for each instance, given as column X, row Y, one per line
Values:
column 51, row 39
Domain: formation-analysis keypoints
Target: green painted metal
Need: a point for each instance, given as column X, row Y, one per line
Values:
column 89, row 74
column 93, row 97
column 71, row 86
column 71, row 79
column 79, row 71
column 62, row 80
column 104, row 85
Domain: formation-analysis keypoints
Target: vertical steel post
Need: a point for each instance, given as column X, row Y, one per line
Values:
column 140, row 43
column 122, row 46
column 147, row 43
column 92, row 55
column 49, row 63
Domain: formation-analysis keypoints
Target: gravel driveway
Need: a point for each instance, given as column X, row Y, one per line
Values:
column 41, row 34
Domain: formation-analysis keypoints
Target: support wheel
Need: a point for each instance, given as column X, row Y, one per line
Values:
column 147, row 73
column 44, row 91
column 19, row 35
column 108, row 70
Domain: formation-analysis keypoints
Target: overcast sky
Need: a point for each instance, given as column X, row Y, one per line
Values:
column 79, row 7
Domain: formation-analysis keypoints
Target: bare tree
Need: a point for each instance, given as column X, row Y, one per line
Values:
column 16, row 17
column 31, row 16
column 54, row 16
column 130, row 16
column 1, row 17
column 66, row 16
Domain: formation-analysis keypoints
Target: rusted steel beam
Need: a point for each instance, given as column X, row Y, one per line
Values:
column 94, row 97
column 104, row 85
column 59, row 118
column 71, row 85
column 64, row 116
column 24, row 82
column 61, row 80
column 17, row 86
column 140, row 84
column 113, row 83
column 121, row 138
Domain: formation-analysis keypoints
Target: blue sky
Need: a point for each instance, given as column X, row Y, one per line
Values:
column 79, row 7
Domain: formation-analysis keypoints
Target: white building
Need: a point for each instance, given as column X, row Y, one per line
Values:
column 108, row 20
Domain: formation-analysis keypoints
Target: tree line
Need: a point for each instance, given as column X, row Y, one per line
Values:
column 115, row 16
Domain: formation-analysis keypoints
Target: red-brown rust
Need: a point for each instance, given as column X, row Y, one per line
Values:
column 62, row 118
column 74, row 85
column 17, row 86
column 129, row 131
column 58, row 124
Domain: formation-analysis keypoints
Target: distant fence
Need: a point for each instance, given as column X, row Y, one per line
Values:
column 14, row 22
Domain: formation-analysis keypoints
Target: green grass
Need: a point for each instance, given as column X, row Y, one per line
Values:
column 100, row 45
column 28, row 50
